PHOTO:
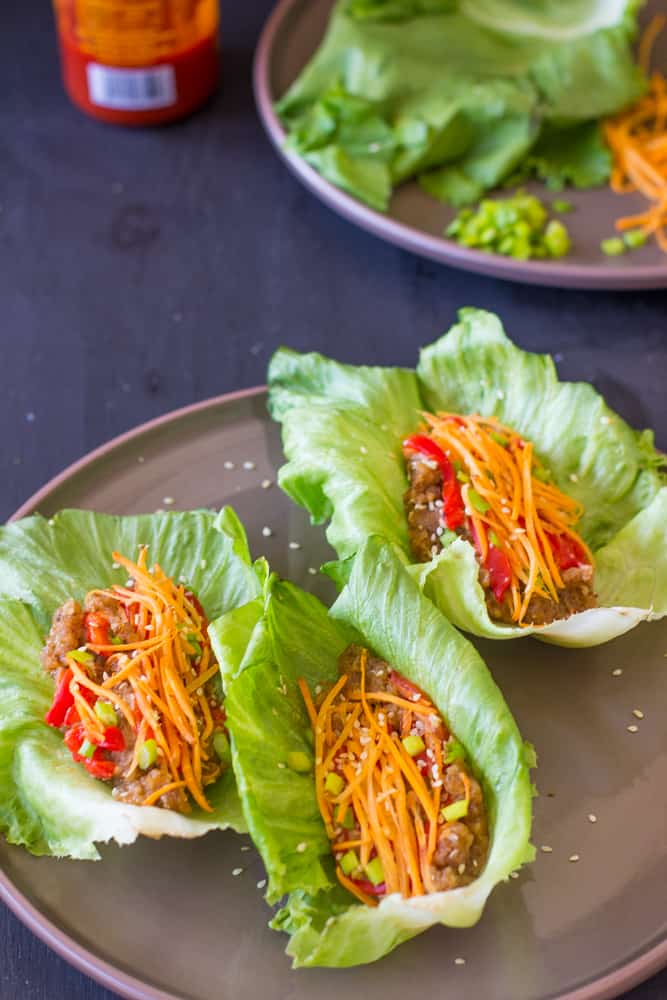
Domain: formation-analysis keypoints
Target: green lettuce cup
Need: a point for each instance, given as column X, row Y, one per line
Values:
column 48, row 802
column 286, row 636
column 343, row 429
column 462, row 96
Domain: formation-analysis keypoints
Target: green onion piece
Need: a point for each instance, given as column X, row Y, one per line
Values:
column 499, row 439
column 462, row 476
column 147, row 754
column 299, row 761
column 413, row 745
column 116, row 640
column 456, row 810
column 455, row 752
column 562, row 206
column 221, row 746
column 87, row 749
column 613, row 247
column 348, row 820
column 634, row 238
column 556, row 239
column 333, row 783
column 349, row 862
column 81, row 655
column 493, row 538
column 375, row 871
column 193, row 642
column 477, row 501
column 544, row 475
column 106, row 713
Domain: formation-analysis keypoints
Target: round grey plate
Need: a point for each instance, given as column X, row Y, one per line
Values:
column 416, row 221
column 169, row 920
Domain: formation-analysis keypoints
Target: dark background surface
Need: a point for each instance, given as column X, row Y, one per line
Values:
column 142, row 271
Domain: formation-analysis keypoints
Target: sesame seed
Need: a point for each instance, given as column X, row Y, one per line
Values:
column 202, row 564
column 261, row 883
column 266, row 484
column 514, row 874
column 363, row 449
column 592, row 818
column 249, row 465
column 312, row 571
column 280, row 765
column 115, row 565
column 605, row 420
column 574, row 478
column 301, row 847
column 246, row 847
column 617, row 672
column 573, row 858
column 228, row 465
column 637, row 712
column 237, row 871
column 632, row 729
column 546, row 849
column 459, row 961
column 295, row 545
column 168, row 501
column 461, row 868
column 266, row 531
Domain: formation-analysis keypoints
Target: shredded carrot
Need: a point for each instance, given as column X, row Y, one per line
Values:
column 514, row 508
column 363, row 771
column 159, row 792
column 638, row 142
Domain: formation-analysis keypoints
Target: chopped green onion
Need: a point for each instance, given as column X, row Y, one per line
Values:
column 193, row 642
column 544, row 475
column 613, row 247
column 462, row 476
column 221, row 746
column 116, row 640
column 562, row 206
column 147, row 754
column 87, row 749
column 349, row 862
column 493, row 538
column 299, row 761
column 556, row 239
column 348, row 820
column 478, row 502
column 81, row 655
column 634, row 238
column 333, row 783
column 498, row 438
column 375, row 871
column 413, row 745
column 455, row 752
column 517, row 226
column 456, row 810
column 106, row 713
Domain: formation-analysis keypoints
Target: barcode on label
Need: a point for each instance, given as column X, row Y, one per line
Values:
column 131, row 89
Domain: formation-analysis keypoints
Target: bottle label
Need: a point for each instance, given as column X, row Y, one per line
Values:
column 131, row 89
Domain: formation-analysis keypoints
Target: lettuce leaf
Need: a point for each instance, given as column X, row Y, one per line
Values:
column 48, row 803
column 294, row 636
column 378, row 103
column 345, row 463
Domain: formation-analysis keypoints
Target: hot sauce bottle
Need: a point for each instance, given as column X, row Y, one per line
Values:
column 138, row 62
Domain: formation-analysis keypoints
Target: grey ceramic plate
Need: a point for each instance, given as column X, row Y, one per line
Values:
column 416, row 221
column 577, row 930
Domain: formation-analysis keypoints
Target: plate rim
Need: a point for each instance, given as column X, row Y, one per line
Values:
column 584, row 276
column 630, row 974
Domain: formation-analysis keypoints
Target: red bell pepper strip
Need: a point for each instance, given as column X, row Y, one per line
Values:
column 453, row 510
column 369, row 888
column 72, row 716
column 63, row 699
column 567, row 552
column 496, row 564
column 404, row 687
column 74, row 737
column 97, row 629
column 100, row 768
column 113, row 739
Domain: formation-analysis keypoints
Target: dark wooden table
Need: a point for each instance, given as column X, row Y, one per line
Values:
column 144, row 270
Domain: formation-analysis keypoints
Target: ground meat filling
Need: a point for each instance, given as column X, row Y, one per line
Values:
column 424, row 513
column 69, row 632
column 461, row 845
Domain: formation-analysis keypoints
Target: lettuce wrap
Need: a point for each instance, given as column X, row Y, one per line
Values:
column 49, row 803
column 343, row 427
column 462, row 95
column 286, row 635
